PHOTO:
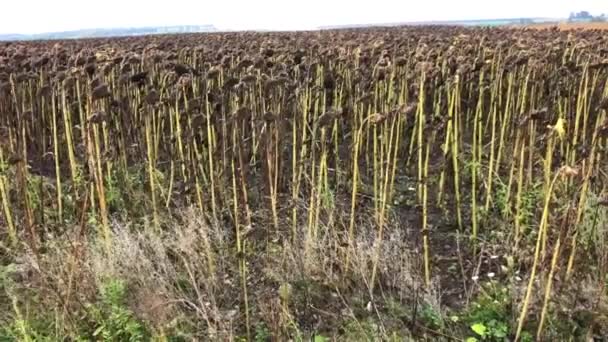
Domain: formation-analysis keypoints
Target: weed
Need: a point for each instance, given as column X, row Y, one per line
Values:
column 112, row 320
column 431, row 317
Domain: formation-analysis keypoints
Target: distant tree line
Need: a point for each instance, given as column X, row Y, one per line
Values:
column 586, row 16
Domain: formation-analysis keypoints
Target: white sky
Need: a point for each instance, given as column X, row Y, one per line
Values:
column 34, row 16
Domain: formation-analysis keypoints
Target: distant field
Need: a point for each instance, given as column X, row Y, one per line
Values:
column 573, row 26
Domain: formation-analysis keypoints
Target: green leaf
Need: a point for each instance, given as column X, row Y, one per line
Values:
column 500, row 333
column 471, row 339
column 319, row 338
column 479, row 329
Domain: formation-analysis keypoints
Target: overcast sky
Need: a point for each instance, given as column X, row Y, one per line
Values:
column 35, row 16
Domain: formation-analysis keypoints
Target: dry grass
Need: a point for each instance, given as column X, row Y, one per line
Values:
column 173, row 284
